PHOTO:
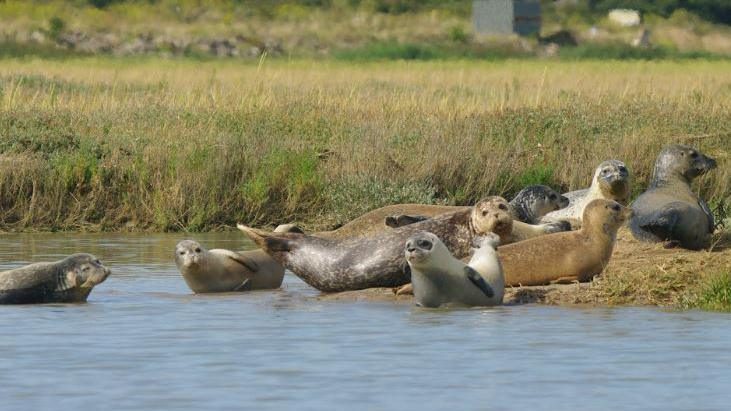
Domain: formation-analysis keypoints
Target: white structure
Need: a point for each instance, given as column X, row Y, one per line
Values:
column 624, row 17
column 506, row 16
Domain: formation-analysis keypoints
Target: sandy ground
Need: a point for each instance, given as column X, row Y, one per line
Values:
column 638, row 274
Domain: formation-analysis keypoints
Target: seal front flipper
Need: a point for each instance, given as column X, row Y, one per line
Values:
column 479, row 282
column 709, row 214
column 661, row 223
column 249, row 264
column 400, row 220
column 245, row 286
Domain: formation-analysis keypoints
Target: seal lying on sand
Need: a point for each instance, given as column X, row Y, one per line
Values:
column 67, row 281
column 439, row 279
column 669, row 210
column 398, row 215
column 611, row 182
column 378, row 260
column 217, row 271
column 570, row 256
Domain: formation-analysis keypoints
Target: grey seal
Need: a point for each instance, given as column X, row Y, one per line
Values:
column 332, row 265
column 611, row 181
column 218, row 271
column 533, row 202
column 66, row 281
column 440, row 279
column 669, row 210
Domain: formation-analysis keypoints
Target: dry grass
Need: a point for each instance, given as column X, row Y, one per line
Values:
column 109, row 144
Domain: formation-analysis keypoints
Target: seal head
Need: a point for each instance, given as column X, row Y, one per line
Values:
column 613, row 179
column 680, row 162
column 533, row 202
column 84, row 271
column 188, row 253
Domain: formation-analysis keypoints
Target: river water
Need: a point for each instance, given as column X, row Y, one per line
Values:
column 144, row 342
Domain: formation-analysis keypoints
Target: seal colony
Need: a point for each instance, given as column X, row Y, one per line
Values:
column 393, row 245
column 333, row 265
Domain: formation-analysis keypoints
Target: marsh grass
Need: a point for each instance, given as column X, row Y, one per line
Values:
column 154, row 144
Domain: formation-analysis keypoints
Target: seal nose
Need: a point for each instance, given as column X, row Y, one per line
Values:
column 410, row 247
column 711, row 163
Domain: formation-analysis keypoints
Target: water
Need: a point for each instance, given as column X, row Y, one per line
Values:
column 144, row 342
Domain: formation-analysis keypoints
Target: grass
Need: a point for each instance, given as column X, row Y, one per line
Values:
column 153, row 144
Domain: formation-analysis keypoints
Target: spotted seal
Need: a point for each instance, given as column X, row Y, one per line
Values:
column 333, row 265
column 217, row 271
column 533, row 202
column 669, row 210
column 66, row 281
column 440, row 279
column 611, row 182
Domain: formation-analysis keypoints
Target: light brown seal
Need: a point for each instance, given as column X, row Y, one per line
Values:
column 669, row 210
column 440, row 279
column 220, row 271
column 569, row 256
column 66, row 281
column 377, row 260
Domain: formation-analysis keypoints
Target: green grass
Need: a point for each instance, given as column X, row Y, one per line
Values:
column 716, row 293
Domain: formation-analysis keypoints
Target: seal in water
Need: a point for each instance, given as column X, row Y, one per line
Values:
column 67, row 281
column 218, row 271
column 439, row 279
column 570, row 256
column 332, row 265
column 669, row 210
column 611, row 182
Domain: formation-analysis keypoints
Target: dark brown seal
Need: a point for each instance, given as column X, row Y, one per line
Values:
column 67, row 281
column 669, row 210
column 333, row 265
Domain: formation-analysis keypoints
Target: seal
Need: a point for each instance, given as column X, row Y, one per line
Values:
column 66, row 281
column 398, row 215
column 611, row 182
column 533, row 202
column 440, row 279
column 669, row 210
column 219, row 271
column 333, row 265
column 569, row 256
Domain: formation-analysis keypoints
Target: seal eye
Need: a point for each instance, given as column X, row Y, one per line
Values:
column 181, row 252
column 97, row 262
column 484, row 213
column 552, row 196
column 622, row 169
column 502, row 207
column 424, row 244
column 198, row 250
column 693, row 154
column 615, row 207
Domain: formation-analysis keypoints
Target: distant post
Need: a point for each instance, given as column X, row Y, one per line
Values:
column 504, row 17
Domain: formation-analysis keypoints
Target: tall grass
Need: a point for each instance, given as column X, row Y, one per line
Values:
column 152, row 144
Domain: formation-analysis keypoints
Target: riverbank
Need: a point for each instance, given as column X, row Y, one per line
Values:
column 639, row 274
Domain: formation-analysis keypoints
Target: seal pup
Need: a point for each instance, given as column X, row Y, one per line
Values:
column 332, row 265
column 611, row 182
column 669, row 210
column 569, row 256
column 439, row 279
column 66, row 281
column 220, row 271
column 533, row 202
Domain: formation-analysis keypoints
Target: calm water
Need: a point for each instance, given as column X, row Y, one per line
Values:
column 144, row 342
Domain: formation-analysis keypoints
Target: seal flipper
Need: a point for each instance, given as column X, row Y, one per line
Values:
column 661, row 224
column 479, row 282
column 707, row 211
column 269, row 242
column 249, row 264
column 400, row 220
column 245, row 286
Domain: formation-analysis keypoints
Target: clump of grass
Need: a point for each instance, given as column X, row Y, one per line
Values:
column 621, row 51
column 716, row 293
